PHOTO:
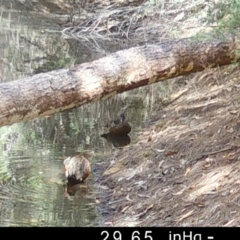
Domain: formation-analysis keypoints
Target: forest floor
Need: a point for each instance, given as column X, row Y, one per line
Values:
column 184, row 169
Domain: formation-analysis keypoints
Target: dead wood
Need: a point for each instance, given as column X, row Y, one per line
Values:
column 48, row 93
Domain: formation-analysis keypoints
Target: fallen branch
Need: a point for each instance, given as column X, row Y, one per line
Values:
column 48, row 93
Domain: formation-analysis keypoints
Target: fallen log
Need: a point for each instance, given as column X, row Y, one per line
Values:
column 48, row 93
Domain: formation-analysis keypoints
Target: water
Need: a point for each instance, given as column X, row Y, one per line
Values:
column 32, row 191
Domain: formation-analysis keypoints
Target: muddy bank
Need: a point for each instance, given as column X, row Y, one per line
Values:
column 184, row 169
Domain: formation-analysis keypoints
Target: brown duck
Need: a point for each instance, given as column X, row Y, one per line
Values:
column 77, row 169
column 119, row 126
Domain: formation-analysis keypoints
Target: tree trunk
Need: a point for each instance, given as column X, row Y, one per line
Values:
column 48, row 93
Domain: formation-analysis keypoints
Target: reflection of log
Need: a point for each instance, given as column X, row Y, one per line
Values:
column 47, row 93
column 117, row 140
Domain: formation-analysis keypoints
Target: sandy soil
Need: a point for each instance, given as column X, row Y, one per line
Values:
column 184, row 170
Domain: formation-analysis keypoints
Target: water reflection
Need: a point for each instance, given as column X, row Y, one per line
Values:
column 72, row 188
column 31, row 192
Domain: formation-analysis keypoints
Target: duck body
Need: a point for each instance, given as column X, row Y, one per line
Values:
column 119, row 126
column 77, row 169
column 117, row 140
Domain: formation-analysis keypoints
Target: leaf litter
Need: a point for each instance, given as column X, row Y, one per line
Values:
column 196, row 183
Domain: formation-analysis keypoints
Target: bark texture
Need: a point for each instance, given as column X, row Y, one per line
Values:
column 48, row 93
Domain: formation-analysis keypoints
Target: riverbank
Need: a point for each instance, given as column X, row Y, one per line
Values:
column 184, row 169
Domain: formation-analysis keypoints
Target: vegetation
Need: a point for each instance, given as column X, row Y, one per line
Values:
column 175, row 123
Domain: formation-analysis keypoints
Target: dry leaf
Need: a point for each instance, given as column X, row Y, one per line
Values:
column 233, row 112
column 230, row 155
column 103, row 187
column 160, row 164
column 208, row 159
column 207, row 165
column 145, row 133
column 165, row 189
column 109, row 223
column 233, row 190
column 116, row 168
column 124, row 209
column 152, row 134
column 130, row 200
column 179, row 17
column 159, row 150
column 144, row 212
column 149, row 138
column 183, row 210
column 230, row 222
column 187, row 171
column 179, row 192
column 150, row 207
column 217, row 186
column 170, row 153
column 190, row 213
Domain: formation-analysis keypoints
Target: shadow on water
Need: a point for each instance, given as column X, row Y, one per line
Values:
column 33, row 186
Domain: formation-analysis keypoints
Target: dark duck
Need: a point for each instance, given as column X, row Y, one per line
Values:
column 119, row 126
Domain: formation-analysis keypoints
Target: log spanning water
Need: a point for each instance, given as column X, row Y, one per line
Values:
column 48, row 93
